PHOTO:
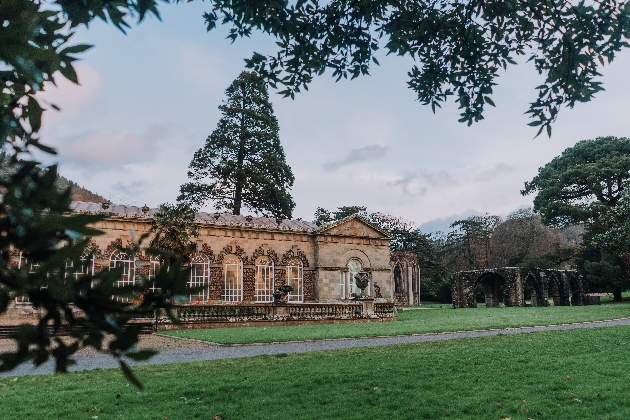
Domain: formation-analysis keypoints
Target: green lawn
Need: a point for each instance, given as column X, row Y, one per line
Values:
column 576, row 374
column 415, row 322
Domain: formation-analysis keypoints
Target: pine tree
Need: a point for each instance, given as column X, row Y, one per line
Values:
column 242, row 163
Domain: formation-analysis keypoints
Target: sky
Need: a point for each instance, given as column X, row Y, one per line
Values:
column 149, row 99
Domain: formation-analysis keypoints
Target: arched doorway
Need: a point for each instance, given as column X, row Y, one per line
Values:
column 491, row 286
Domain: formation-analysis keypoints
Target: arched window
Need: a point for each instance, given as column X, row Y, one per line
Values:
column 199, row 277
column 233, row 271
column 348, row 284
column 263, row 287
column 295, row 278
column 398, row 280
column 128, row 264
column 85, row 266
column 154, row 269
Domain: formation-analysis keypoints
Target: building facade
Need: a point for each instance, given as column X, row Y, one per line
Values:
column 244, row 258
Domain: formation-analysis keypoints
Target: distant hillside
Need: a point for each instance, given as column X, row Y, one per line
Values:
column 79, row 193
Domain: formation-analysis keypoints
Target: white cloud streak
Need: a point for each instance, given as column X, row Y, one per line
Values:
column 355, row 156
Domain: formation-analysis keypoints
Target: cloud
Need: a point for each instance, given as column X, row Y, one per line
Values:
column 134, row 188
column 416, row 182
column 494, row 172
column 363, row 154
column 108, row 147
column 73, row 99
column 442, row 224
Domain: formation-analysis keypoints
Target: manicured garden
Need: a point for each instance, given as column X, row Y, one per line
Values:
column 416, row 321
column 544, row 375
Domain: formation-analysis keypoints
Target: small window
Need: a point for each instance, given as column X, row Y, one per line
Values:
column 263, row 288
column 233, row 271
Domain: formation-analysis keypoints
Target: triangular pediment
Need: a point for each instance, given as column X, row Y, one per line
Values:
column 355, row 226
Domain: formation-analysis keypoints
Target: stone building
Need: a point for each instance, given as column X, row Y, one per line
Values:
column 406, row 277
column 244, row 258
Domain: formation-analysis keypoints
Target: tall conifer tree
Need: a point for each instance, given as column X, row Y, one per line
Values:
column 242, row 163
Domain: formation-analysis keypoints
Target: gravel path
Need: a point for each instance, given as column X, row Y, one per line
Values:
column 174, row 350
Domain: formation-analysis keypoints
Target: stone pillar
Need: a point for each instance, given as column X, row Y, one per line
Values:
column 281, row 311
column 409, row 283
column 368, row 307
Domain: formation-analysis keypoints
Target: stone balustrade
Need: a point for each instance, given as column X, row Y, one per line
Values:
column 288, row 312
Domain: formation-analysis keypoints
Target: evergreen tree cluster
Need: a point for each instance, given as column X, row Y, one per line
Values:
column 242, row 164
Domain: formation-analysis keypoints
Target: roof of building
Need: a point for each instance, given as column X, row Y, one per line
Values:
column 357, row 216
column 217, row 219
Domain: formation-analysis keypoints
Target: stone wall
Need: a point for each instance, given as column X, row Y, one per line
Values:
column 405, row 273
column 507, row 285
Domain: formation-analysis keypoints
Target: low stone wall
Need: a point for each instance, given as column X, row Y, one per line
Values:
column 195, row 325
column 212, row 316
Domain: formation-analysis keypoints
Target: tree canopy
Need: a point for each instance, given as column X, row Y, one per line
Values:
column 35, row 216
column 586, row 185
column 459, row 46
column 174, row 228
column 577, row 186
column 242, row 163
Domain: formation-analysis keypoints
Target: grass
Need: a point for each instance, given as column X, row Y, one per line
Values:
column 573, row 374
column 414, row 322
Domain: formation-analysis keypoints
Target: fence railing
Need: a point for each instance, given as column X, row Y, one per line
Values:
column 326, row 311
column 385, row 310
column 293, row 311
column 223, row 312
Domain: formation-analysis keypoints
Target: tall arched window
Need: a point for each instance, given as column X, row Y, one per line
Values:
column 348, row 284
column 154, row 269
column 295, row 278
column 398, row 280
column 233, row 271
column 85, row 266
column 263, row 287
column 128, row 264
column 199, row 277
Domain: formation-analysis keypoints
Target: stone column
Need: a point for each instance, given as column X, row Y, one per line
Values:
column 368, row 307
column 409, row 283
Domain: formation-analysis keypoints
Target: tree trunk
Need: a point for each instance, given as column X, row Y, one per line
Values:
column 238, row 187
column 617, row 296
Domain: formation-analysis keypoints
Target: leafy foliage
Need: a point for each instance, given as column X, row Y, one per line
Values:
column 35, row 221
column 460, row 46
column 577, row 186
column 323, row 216
column 470, row 241
column 586, row 185
column 242, row 163
column 174, row 227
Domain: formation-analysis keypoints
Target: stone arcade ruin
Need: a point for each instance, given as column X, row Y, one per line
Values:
column 509, row 284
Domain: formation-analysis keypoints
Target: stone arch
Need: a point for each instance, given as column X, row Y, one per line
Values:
column 494, row 288
column 532, row 282
column 554, row 287
column 353, row 253
column 560, row 282
column 577, row 292
column 292, row 254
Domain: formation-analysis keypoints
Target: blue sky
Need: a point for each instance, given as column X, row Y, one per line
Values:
column 149, row 99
